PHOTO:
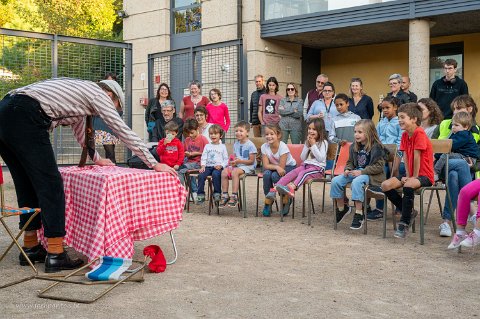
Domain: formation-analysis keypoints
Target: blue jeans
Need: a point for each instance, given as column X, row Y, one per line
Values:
column 458, row 176
column 271, row 177
column 401, row 171
column 339, row 182
column 216, row 179
column 193, row 180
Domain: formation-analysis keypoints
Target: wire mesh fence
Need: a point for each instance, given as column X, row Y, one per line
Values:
column 215, row 66
column 28, row 57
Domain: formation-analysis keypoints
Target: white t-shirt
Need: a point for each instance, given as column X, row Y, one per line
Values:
column 243, row 151
column 214, row 154
column 275, row 158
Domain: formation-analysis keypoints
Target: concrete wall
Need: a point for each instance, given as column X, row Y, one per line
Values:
column 148, row 29
column 375, row 63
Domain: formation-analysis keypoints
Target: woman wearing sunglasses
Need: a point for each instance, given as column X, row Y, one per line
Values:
column 291, row 109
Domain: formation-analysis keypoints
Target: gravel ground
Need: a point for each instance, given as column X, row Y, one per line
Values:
column 234, row 267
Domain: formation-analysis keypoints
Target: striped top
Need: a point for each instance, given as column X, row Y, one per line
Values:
column 68, row 101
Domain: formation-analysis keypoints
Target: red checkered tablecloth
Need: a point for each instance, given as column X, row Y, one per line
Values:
column 110, row 207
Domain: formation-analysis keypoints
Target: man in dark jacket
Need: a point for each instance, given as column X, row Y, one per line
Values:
column 168, row 112
column 254, row 98
column 445, row 89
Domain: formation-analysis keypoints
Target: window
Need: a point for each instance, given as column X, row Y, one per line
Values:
column 187, row 16
column 439, row 53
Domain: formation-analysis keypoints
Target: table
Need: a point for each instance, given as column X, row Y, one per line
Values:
column 110, row 207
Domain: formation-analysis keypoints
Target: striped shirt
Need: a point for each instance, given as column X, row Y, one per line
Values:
column 68, row 101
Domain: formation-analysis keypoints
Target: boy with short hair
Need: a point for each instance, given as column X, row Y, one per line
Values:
column 418, row 158
column 243, row 162
column 214, row 159
column 194, row 144
column 463, row 142
column 342, row 127
column 170, row 149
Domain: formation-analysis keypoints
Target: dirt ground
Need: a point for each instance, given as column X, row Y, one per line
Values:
column 257, row 267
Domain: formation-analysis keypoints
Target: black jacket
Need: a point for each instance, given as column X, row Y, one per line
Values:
column 464, row 143
column 443, row 92
column 159, row 130
column 254, row 98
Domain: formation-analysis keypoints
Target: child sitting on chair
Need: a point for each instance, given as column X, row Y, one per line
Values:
column 214, row 160
column 243, row 162
column 194, row 144
column 418, row 158
column 463, row 142
column 170, row 149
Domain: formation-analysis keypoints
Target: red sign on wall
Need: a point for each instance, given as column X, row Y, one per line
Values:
column 157, row 79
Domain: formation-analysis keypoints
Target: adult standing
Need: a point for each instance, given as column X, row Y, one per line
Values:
column 254, row 98
column 168, row 114
column 154, row 111
column 395, row 84
column 448, row 87
column 360, row 103
column 28, row 152
column 406, row 88
column 268, row 103
column 315, row 94
column 191, row 102
column 291, row 112
column 324, row 108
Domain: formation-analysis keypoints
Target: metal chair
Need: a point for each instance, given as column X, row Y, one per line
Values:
column 6, row 212
column 342, row 158
column 331, row 155
column 377, row 193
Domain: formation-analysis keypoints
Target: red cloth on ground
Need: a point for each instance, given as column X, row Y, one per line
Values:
column 158, row 263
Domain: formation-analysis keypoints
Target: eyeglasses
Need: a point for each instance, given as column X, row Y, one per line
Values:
column 328, row 91
column 393, row 83
column 322, row 83
column 290, row 89
column 169, row 111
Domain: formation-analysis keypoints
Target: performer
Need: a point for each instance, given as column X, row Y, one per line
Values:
column 26, row 116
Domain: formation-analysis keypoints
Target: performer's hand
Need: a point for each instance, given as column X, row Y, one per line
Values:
column 104, row 162
column 159, row 167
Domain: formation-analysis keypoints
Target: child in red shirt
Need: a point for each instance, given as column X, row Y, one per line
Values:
column 418, row 158
column 170, row 149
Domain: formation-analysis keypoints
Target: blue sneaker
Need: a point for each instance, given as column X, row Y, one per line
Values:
column 375, row 214
column 286, row 207
column 272, row 194
column 266, row 211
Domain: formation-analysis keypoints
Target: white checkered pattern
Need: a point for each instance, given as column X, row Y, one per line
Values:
column 110, row 207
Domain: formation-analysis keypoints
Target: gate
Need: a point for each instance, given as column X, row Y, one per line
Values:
column 28, row 57
column 220, row 65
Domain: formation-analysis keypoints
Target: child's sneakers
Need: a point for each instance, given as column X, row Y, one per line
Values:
column 233, row 201
column 216, row 198
column 224, row 200
column 456, row 241
column 266, row 210
column 286, row 190
column 472, row 240
column 340, row 214
column 445, row 230
column 375, row 214
column 286, row 207
column 402, row 230
column 357, row 221
column 200, row 199
column 272, row 194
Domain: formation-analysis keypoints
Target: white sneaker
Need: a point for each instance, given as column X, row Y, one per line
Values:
column 456, row 241
column 445, row 230
column 471, row 240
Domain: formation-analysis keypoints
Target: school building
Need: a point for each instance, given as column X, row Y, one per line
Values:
column 225, row 43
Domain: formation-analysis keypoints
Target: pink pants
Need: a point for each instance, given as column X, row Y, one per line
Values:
column 301, row 174
column 467, row 194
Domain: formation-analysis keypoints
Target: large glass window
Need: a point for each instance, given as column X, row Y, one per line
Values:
column 275, row 9
column 187, row 16
column 439, row 53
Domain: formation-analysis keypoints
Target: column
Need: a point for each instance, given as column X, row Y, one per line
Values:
column 419, row 56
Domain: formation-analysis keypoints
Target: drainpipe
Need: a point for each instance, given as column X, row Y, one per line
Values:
column 239, row 18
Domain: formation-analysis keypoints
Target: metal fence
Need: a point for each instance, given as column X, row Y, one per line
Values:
column 28, row 57
column 220, row 65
